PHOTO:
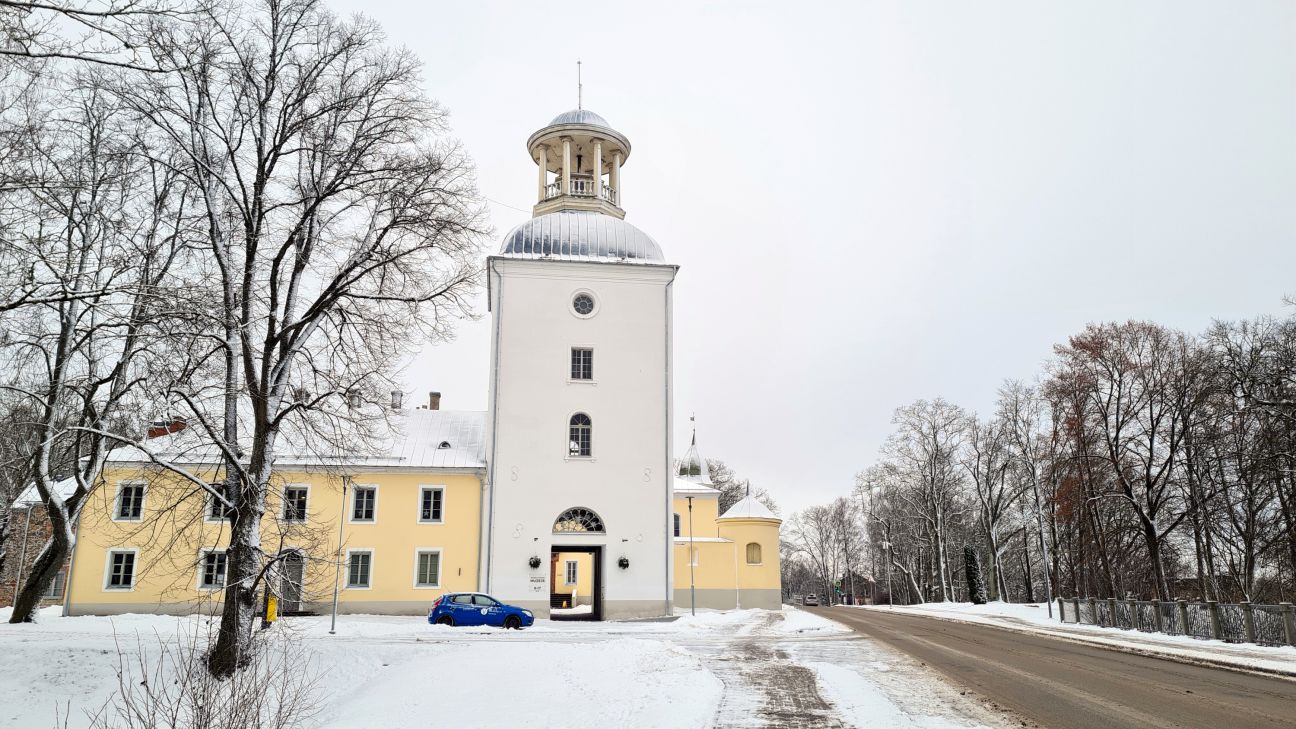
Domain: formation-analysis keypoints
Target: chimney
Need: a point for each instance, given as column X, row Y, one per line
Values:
column 159, row 428
column 396, row 396
column 434, row 401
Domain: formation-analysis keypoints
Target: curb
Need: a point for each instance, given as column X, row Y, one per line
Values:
column 1135, row 650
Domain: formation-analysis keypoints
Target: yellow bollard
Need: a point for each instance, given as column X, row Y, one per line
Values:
column 272, row 609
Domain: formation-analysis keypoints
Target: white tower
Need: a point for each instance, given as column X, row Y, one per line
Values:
column 580, row 404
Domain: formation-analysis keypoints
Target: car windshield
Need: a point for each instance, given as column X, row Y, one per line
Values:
column 461, row 599
column 484, row 601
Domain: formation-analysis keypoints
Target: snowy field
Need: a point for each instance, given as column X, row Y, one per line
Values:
column 746, row 668
column 1035, row 618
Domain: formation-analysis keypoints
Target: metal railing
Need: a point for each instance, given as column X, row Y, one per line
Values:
column 1232, row 622
column 582, row 186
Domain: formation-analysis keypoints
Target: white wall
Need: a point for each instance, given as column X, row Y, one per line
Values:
column 627, row 480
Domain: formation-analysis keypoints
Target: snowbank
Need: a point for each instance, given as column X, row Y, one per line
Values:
column 1034, row 618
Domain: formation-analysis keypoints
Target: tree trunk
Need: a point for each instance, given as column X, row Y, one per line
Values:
column 26, row 607
column 1154, row 554
column 233, row 648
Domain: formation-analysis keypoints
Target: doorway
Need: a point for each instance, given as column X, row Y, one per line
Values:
column 292, row 577
column 576, row 583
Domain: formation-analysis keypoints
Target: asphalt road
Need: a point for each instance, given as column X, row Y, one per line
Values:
column 1056, row 683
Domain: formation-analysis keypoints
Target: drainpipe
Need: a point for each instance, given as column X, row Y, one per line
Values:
column 691, row 561
column 494, row 427
column 67, row 581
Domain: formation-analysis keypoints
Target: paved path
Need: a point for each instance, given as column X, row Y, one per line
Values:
column 1056, row 683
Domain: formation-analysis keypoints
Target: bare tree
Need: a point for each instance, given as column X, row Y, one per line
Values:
column 340, row 225
column 987, row 460
column 87, row 265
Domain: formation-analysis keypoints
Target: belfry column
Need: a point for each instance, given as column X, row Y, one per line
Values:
column 566, row 187
column 598, row 167
column 544, row 171
column 616, row 178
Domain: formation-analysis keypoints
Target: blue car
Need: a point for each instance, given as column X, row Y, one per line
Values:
column 474, row 608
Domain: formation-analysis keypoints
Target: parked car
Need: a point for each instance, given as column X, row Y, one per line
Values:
column 810, row 600
column 474, row 608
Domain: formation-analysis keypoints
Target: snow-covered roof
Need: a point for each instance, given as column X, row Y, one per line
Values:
column 749, row 508
column 686, row 540
column 693, row 467
column 30, row 495
column 694, row 489
column 411, row 439
column 580, row 116
column 578, row 235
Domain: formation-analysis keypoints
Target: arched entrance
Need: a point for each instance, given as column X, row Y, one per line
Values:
column 576, row 567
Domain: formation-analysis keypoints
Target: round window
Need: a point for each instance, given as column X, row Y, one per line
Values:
column 583, row 304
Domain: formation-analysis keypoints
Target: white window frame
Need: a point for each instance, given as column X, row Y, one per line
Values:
column 571, row 572
column 567, row 441
column 419, row 552
column 60, row 577
column 202, row 569
column 283, row 503
column 571, row 304
column 207, row 506
column 116, row 509
column 576, row 381
column 355, row 489
column 418, row 508
column 359, row 550
column 107, row 574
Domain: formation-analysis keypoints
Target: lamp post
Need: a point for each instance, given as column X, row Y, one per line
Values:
column 886, row 547
column 337, row 557
column 692, row 588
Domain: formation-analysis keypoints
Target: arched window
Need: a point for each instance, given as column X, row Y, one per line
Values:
column 579, row 519
column 753, row 553
column 677, row 523
column 579, row 435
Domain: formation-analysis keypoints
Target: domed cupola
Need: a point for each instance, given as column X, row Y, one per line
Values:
column 579, row 157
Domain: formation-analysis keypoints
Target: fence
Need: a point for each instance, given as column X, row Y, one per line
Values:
column 1235, row 623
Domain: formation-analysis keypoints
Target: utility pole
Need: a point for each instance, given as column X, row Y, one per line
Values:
column 337, row 556
column 692, row 588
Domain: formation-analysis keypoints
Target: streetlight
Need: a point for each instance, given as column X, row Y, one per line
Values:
column 337, row 557
column 692, row 589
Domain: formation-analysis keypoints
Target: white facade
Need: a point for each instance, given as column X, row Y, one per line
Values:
column 533, row 475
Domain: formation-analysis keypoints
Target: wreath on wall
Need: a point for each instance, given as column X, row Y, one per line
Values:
column 623, row 563
column 535, row 563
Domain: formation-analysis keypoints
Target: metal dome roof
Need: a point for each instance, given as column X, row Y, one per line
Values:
column 580, row 116
column 573, row 235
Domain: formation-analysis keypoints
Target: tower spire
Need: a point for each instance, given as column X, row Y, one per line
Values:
column 580, row 88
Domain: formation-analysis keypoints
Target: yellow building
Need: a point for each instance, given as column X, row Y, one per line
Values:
column 392, row 531
column 722, row 561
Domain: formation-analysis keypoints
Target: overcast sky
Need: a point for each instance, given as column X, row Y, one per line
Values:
column 873, row 203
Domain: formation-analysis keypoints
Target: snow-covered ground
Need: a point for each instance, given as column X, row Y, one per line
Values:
column 747, row 668
column 1035, row 618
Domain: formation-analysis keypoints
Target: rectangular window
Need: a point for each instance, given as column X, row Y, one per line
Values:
column 121, row 570
column 212, row 575
column 429, row 570
column 571, row 572
column 130, row 501
column 694, row 560
column 55, row 591
column 430, row 500
column 295, row 503
column 216, row 509
column 582, row 363
column 358, row 567
column 366, row 497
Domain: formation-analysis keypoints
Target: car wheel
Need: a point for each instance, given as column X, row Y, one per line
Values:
column 512, row 622
column 445, row 620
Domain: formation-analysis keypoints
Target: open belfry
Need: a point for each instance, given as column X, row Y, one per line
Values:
column 563, row 497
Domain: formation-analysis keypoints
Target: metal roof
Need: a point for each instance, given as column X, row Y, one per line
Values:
column 574, row 235
column 580, row 116
column 749, row 508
